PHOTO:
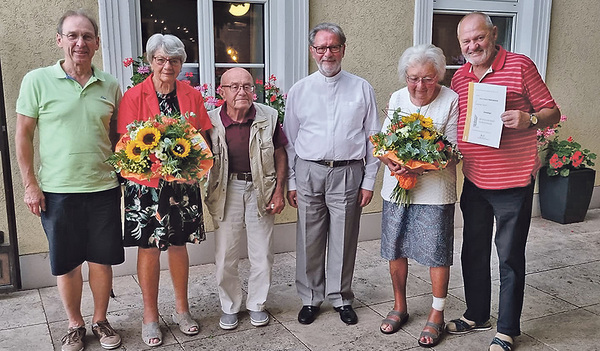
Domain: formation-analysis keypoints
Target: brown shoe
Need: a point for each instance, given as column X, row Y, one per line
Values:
column 109, row 339
column 73, row 341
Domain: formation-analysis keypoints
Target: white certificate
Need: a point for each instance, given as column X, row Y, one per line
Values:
column 483, row 124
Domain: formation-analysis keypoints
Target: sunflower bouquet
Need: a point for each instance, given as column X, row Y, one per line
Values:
column 412, row 141
column 162, row 147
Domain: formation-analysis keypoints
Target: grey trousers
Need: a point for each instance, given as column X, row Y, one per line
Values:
column 327, row 228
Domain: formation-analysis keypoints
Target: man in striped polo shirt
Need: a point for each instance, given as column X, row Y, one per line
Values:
column 498, row 181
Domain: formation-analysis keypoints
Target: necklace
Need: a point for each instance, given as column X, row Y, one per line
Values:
column 426, row 109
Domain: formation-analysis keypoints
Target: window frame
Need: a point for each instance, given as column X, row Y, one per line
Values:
column 531, row 22
column 286, row 39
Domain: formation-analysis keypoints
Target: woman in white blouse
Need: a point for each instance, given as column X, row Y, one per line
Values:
column 424, row 231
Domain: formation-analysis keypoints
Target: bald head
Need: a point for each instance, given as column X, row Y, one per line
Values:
column 235, row 73
column 237, row 89
column 478, row 17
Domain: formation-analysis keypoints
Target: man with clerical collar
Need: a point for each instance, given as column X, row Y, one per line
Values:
column 329, row 117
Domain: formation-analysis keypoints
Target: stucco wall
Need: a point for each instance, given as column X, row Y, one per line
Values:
column 377, row 32
column 573, row 75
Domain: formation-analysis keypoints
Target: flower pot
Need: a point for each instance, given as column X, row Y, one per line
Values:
column 566, row 199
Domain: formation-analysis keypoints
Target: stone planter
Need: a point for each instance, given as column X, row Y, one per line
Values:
column 566, row 199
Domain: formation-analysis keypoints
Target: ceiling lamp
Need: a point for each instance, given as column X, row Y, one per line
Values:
column 239, row 9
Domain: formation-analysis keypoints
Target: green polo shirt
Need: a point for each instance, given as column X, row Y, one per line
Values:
column 73, row 126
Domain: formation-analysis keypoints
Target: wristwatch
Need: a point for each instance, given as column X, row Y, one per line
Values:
column 533, row 120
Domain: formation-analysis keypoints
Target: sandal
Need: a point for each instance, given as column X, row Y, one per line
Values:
column 151, row 331
column 505, row 345
column 460, row 326
column 187, row 325
column 435, row 337
column 395, row 324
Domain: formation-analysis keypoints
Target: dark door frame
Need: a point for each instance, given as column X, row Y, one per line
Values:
column 11, row 250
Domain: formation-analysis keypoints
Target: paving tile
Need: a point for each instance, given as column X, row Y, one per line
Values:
column 481, row 340
column 271, row 337
column 126, row 289
column 572, row 330
column 554, row 250
column 537, row 303
column 283, row 302
column 31, row 337
column 594, row 309
column 329, row 333
column 578, row 285
column 563, row 287
column 283, row 272
column 418, row 309
column 128, row 323
column 374, row 285
column 21, row 308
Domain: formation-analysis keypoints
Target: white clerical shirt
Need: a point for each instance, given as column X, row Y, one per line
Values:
column 331, row 119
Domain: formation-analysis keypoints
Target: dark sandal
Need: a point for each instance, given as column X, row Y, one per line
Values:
column 395, row 324
column 462, row 327
column 505, row 345
column 435, row 337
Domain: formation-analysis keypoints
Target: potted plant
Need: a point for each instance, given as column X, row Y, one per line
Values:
column 565, row 183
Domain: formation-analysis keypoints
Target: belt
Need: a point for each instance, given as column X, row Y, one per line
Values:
column 332, row 164
column 241, row 176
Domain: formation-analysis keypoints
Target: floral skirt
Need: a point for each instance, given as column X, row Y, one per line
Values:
column 159, row 217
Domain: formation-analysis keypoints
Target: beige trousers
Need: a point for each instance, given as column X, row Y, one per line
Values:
column 241, row 217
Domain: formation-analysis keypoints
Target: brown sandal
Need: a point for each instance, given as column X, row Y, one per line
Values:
column 395, row 324
column 435, row 337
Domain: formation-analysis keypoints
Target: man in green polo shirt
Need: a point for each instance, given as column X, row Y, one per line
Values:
column 73, row 105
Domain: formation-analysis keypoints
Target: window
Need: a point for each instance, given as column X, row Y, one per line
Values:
column 264, row 36
column 523, row 27
column 444, row 36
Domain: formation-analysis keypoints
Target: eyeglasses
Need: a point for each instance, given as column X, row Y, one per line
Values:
column 323, row 49
column 72, row 37
column 161, row 61
column 424, row 80
column 234, row 88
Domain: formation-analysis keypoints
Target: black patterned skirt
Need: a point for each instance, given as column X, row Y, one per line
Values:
column 159, row 217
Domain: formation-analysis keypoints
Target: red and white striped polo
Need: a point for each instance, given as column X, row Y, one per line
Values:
column 512, row 164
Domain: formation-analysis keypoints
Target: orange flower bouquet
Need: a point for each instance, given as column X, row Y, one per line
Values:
column 412, row 141
column 162, row 147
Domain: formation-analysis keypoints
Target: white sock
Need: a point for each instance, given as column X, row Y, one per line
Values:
column 438, row 303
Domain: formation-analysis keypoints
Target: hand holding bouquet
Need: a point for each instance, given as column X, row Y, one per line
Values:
column 162, row 147
column 412, row 141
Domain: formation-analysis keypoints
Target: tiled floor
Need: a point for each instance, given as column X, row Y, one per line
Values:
column 561, row 312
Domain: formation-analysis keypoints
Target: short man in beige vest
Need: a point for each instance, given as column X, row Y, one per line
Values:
column 245, row 191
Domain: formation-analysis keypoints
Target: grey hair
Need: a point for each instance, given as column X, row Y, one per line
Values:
column 422, row 54
column 329, row 27
column 80, row 13
column 170, row 44
column 486, row 18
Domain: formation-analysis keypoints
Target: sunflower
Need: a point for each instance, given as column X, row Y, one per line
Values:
column 427, row 122
column 410, row 118
column 181, row 148
column 427, row 135
column 148, row 138
column 133, row 150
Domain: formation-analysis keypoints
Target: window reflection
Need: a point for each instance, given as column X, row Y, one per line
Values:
column 238, row 38
column 444, row 37
column 177, row 17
